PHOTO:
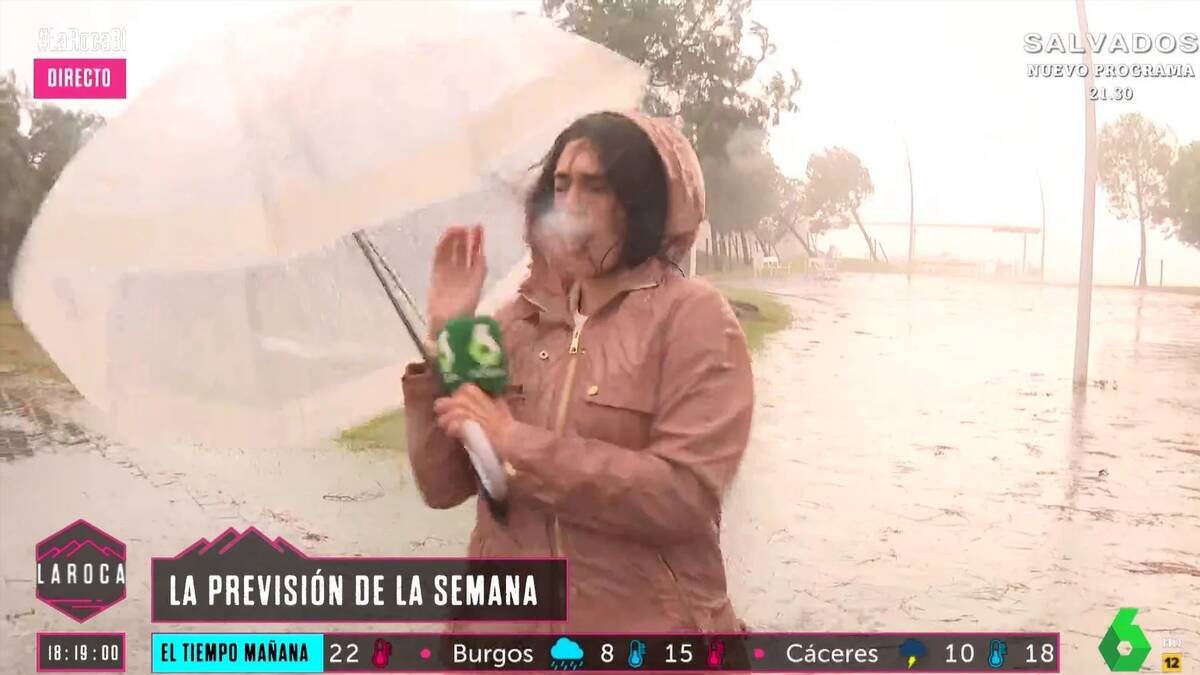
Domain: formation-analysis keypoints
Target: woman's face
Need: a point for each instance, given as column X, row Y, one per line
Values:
column 581, row 236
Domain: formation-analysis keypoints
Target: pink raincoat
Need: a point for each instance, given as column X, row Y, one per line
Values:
column 630, row 429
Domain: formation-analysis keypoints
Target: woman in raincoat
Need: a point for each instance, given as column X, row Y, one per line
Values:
column 630, row 401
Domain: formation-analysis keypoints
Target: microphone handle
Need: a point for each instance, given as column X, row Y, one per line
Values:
column 483, row 458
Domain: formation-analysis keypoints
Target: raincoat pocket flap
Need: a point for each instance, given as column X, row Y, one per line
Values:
column 624, row 396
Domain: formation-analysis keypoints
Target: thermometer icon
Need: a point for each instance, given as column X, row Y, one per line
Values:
column 997, row 650
column 637, row 653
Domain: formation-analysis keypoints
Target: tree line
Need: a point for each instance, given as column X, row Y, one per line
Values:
column 701, row 72
column 36, row 141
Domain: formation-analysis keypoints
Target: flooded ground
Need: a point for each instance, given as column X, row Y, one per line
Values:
column 919, row 462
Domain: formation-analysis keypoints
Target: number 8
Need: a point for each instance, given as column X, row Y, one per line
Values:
column 606, row 653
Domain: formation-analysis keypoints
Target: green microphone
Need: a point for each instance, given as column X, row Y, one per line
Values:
column 469, row 350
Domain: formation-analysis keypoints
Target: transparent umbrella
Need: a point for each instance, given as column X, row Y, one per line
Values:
column 193, row 271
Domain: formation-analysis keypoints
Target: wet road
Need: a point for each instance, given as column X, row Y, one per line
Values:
column 919, row 462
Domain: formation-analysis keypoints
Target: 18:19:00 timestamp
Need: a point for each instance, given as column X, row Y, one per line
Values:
column 83, row 652
column 1114, row 94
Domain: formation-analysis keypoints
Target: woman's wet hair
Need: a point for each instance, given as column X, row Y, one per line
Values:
column 634, row 171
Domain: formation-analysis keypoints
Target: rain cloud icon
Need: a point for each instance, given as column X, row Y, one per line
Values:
column 566, row 654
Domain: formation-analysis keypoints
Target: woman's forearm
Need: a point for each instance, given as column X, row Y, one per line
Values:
column 440, row 466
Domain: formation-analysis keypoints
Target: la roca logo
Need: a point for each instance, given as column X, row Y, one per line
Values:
column 80, row 570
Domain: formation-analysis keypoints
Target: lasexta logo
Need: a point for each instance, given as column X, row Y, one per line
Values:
column 1123, row 629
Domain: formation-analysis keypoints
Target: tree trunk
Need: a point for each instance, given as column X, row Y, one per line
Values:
column 807, row 249
column 745, row 248
column 1142, row 260
column 866, row 237
column 1141, row 214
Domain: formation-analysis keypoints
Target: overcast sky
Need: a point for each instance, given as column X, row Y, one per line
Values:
column 947, row 77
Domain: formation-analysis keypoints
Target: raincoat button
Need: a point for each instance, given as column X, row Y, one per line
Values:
column 543, row 355
column 593, row 390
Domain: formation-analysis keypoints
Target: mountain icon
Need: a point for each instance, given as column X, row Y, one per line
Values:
column 250, row 542
column 214, row 547
column 75, row 546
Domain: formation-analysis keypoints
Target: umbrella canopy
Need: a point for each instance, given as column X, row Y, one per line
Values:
column 191, row 271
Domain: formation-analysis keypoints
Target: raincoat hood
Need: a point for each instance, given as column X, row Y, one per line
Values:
column 685, row 208
column 685, row 182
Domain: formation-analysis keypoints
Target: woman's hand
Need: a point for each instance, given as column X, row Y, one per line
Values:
column 470, row 403
column 458, row 272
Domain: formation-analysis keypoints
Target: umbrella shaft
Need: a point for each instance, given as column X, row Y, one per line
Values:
column 377, row 265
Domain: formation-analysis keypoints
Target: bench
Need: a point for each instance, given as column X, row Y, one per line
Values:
column 823, row 267
column 771, row 265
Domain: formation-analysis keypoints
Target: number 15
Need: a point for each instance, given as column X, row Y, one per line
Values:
column 685, row 653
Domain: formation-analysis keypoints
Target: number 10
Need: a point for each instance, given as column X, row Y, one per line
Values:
column 965, row 652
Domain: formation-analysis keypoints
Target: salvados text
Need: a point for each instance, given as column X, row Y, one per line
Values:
column 1112, row 43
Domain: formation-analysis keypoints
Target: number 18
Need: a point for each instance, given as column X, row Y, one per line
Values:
column 1047, row 654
